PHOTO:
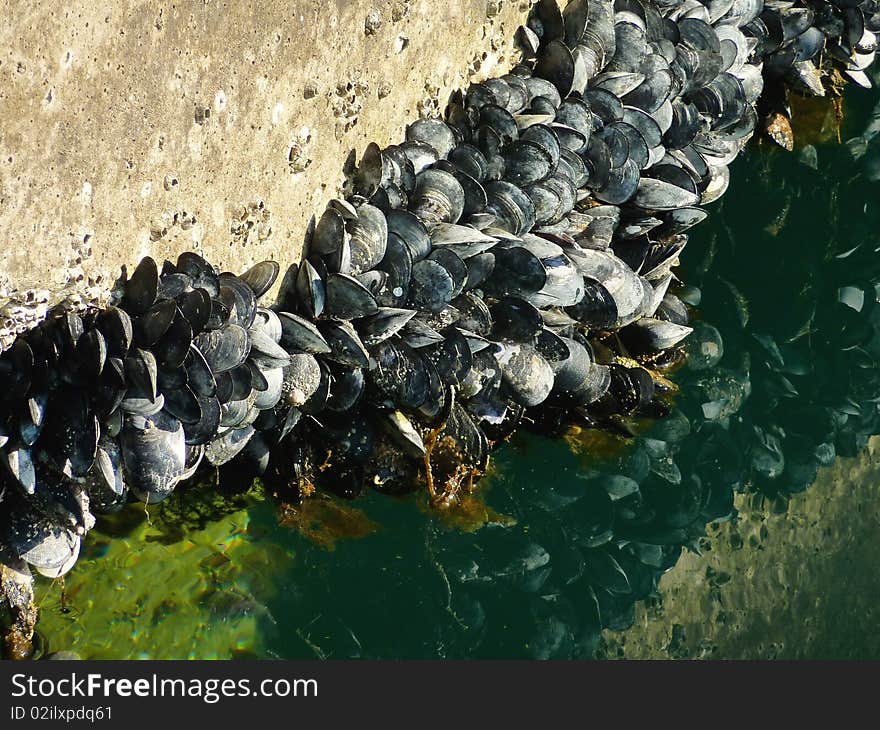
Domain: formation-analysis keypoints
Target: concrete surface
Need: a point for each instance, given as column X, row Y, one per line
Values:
column 130, row 128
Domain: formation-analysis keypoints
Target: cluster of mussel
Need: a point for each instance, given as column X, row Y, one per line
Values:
column 795, row 38
column 515, row 255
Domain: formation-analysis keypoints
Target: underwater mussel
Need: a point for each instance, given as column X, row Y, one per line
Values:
column 37, row 539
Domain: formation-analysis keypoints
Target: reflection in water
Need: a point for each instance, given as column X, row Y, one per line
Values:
column 791, row 580
column 782, row 379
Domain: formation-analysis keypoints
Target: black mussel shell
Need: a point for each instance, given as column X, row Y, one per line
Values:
column 115, row 324
column 260, row 277
column 200, row 271
column 224, row 349
column 152, row 324
column 172, row 349
column 142, row 288
column 347, row 298
column 298, row 335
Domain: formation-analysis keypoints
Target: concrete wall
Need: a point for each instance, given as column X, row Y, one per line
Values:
column 130, row 128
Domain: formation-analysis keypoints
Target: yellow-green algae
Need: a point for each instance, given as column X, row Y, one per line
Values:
column 154, row 593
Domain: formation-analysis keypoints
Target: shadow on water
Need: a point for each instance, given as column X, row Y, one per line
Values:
column 570, row 535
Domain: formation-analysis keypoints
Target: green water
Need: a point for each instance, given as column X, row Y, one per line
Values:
column 786, row 266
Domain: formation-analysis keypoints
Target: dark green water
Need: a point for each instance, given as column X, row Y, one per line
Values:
column 786, row 266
